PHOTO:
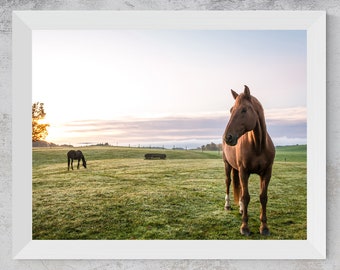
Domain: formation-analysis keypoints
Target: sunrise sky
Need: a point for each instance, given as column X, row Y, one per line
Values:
column 166, row 87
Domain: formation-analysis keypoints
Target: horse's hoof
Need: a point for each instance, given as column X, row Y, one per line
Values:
column 264, row 231
column 227, row 208
column 245, row 231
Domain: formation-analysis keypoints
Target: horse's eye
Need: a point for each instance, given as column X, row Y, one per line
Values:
column 244, row 110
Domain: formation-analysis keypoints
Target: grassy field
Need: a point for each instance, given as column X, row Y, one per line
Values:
column 123, row 196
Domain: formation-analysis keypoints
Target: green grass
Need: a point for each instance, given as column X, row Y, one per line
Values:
column 122, row 196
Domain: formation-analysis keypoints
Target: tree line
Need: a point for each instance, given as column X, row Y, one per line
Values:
column 211, row 147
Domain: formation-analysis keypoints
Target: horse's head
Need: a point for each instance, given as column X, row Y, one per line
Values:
column 243, row 117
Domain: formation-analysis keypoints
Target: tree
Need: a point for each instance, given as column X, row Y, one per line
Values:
column 211, row 147
column 39, row 130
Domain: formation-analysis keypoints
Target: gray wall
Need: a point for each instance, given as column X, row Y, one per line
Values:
column 333, row 132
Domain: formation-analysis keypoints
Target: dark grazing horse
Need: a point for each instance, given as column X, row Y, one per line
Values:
column 247, row 149
column 78, row 155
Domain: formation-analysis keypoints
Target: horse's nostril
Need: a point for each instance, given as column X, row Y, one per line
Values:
column 229, row 138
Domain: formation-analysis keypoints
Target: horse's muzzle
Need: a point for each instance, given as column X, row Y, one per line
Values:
column 231, row 140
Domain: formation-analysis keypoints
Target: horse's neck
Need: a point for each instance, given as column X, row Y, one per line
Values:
column 259, row 134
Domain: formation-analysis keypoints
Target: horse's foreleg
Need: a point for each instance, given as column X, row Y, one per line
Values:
column 68, row 164
column 244, row 201
column 236, row 184
column 78, row 164
column 227, row 168
column 265, row 178
column 72, row 164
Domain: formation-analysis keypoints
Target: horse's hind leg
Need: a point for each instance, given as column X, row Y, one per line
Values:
column 228, row 169
column 78, row 164
column 265, row 178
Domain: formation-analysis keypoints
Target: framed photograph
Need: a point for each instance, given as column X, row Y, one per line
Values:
column 132, row 119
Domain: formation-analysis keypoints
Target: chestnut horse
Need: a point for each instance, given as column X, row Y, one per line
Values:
column 247, row 149
column 78, row 155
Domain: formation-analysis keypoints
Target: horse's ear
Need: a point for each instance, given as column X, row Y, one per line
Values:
column 235, row 95
column 246, row 92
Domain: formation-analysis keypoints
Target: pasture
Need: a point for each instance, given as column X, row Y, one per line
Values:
column 123, row 196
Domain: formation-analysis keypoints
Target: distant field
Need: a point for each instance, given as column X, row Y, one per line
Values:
column 123, row 196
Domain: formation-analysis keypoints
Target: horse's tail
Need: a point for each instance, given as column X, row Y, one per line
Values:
column 236, row 186
column 83, row 160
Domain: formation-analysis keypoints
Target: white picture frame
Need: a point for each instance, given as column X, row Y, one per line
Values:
column 314, row 247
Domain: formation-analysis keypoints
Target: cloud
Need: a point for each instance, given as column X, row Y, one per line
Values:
column 287, row 123
column 293, row 115
column 168, row 128
column 284, row 125
column 288, row 141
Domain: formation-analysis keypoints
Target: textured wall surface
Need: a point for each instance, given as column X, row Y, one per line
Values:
column 333, row 132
